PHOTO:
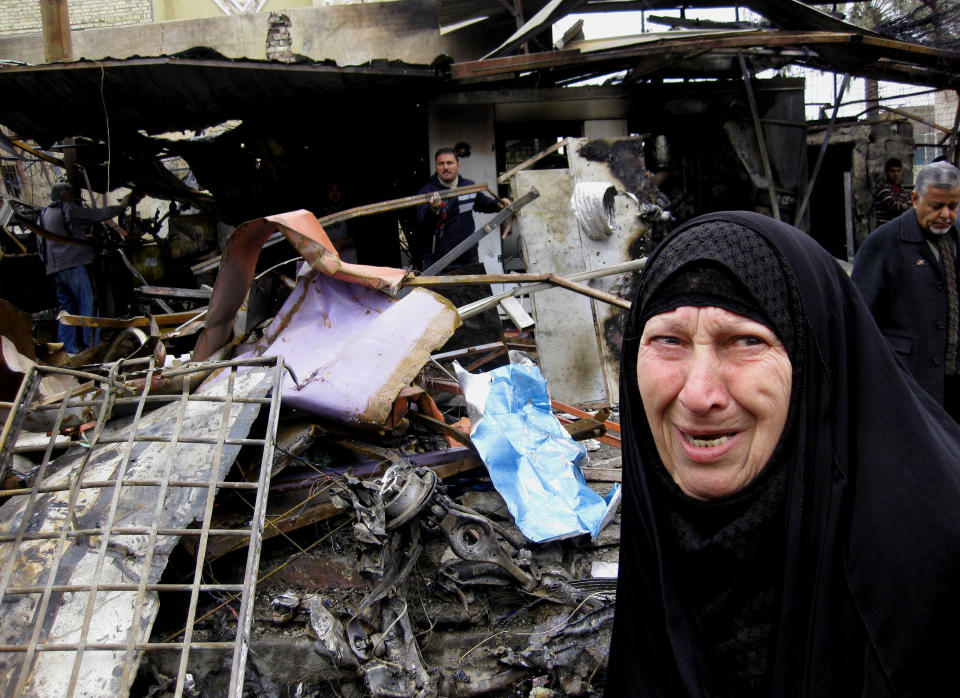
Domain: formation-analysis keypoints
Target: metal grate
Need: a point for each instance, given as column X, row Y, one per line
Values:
column 85, row 537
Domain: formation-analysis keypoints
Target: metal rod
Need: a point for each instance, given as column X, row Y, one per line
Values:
column 117, row 647
column 245, row 617
column 476, row 236
column 93, row 484
column 536, row 158
column 479, row 306
column 128, row 531
column 202, row 546
column 67, row 588
column 367, row 210
column 761, row 138
column 848, row 213
column 822, row 152
column 105, row 541
column 130, row 664
column 956, row 131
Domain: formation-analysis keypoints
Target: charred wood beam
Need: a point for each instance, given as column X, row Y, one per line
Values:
column 138, row 321
column 914, row 117
column 200, row 294
column 366, row 210
column 530, row 161
column 12, row 143
column 697, row 23
column 941, row 63
column 13, row 238
column 473, row 279
column 761, row 138
column 823, row 151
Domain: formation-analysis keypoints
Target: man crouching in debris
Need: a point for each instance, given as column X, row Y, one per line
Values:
column 67, row 262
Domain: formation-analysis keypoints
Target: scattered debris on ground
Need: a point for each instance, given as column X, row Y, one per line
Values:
column 316, row 499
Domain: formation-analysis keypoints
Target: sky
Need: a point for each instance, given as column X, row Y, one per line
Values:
column 820, row 86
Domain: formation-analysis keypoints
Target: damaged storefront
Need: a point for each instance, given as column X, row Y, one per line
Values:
column 277, row 472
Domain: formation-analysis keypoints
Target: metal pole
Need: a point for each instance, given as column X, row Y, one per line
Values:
column 956, row 127
column 823, row 150
column 761, row 140
column 848, row 212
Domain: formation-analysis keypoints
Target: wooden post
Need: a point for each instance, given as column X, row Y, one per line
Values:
column 761, row 139
column 57, row 44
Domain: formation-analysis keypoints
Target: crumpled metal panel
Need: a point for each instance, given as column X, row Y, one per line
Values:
column 352, row 348
column 239, row 262
column 82, row 551
column 533, row 462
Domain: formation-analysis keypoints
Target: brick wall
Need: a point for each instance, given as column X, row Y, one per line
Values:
column 23, row 16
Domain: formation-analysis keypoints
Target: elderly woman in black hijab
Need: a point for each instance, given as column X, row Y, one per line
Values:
column 791, row 503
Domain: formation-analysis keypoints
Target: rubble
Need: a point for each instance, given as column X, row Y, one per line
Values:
column 161, row 534
column 276, row 485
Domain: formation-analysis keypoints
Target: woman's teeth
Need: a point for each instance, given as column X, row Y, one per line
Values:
column 708, row 442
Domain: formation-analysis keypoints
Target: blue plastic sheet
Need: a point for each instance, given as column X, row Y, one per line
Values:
column 533, row 462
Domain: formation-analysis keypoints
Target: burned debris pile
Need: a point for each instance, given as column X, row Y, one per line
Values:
column 321, row 496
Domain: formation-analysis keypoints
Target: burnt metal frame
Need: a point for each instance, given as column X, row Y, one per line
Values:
column 108, row 395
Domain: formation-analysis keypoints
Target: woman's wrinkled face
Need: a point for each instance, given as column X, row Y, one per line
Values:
column 716, row 391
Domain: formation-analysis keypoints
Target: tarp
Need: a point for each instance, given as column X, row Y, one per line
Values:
column 533, row 462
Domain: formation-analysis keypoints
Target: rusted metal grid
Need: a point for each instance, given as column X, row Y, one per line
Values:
column 80, row 584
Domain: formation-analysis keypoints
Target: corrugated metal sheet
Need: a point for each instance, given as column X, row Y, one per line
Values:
column 174, row 93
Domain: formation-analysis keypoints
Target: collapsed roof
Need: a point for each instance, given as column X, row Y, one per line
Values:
column 289, row 117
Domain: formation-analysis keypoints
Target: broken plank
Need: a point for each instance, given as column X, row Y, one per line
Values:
column 530, row 161
column 602, row 474
column 583, row 429
column 468, row 351
column 405, row 202
column 366, row 210
column 29, row 442
column 170, row 292
column 137, row 321
column 14, row 238
column 554, row 279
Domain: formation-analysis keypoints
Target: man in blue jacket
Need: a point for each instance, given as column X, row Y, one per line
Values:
column 906, row 271
column 67, row 263
column 445, row 223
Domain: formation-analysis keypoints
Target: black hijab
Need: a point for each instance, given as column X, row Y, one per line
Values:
column 841, row 578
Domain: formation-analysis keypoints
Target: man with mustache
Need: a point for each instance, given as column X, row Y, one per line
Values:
column 906, row 271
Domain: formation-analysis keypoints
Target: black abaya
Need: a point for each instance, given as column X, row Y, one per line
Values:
column 866, row 527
